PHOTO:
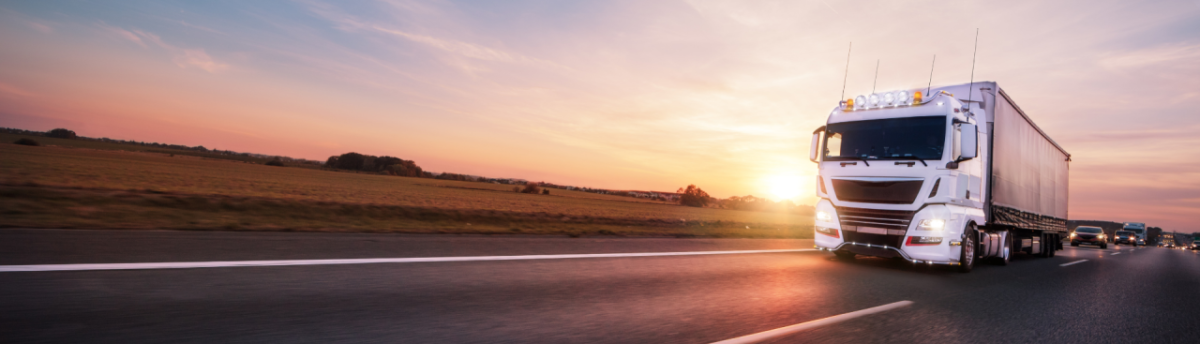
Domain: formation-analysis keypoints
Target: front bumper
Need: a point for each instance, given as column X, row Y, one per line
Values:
column 946, row 252
column 883, row 251
column 1088, row 241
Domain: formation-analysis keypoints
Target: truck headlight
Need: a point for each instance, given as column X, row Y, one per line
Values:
column 932, row 224
column 824, row 216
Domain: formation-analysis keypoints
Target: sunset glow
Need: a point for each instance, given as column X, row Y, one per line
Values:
column 630, row 95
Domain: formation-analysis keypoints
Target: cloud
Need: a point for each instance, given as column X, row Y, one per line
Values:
column 14, row 91
column 121, row 33
column 183, row 57
column 199, row 59
column 460, row 48
column 1142, row 58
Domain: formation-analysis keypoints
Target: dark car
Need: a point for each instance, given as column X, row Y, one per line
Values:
column 1125, row 237
column 1090, row 236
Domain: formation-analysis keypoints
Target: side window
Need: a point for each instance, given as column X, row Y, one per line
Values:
column 833, row 145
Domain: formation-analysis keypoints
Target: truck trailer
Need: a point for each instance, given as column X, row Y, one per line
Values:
column 939, row 176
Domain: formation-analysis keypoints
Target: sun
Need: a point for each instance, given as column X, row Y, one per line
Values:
column 784, row 187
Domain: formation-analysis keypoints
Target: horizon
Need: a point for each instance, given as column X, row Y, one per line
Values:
column 612, row 95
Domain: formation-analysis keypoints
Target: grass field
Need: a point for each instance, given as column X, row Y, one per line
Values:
column 63, row 186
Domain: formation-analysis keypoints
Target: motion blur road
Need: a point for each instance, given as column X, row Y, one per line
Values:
column 1117, row 295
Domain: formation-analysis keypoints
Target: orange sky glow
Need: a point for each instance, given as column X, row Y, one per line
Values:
column 644, row 95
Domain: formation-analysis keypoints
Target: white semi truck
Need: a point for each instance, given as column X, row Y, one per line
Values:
column 1137, row 228
column 947, row 175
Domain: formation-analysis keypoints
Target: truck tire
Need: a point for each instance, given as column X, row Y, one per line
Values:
column 1006, row 251
column 1045, row 245
column 1053, row 249
column 966, row 257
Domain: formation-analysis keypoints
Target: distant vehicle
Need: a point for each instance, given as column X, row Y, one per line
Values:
column 1090, row 236
column 1167, row 240
column 1139, row 229
column 947, row 176
column 1196, row 241
column 1125, row 237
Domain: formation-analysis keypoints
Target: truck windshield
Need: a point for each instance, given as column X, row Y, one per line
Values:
column 890, row 139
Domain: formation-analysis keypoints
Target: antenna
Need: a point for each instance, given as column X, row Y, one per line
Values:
column 971, row 89
column 876, row 82
column 847, row 69
column 930, row 86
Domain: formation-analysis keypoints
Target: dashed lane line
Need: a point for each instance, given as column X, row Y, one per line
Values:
column 259, row 263
column 1073, row 263
column 787, row 330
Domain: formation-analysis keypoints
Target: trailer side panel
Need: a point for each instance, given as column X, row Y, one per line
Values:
column 1029, row 172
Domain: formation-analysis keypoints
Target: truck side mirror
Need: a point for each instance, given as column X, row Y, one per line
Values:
column 815, row 147
column 966, row 142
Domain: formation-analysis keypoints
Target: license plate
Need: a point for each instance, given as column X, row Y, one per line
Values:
column 872, row 230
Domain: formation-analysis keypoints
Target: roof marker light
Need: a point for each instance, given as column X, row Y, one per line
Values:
column 902, row 98
column 874, row 100
column 889, row 98
column 917, row 97
column 860, row 102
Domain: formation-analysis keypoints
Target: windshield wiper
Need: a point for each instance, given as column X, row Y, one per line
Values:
column 865, row 161
column 922, row 161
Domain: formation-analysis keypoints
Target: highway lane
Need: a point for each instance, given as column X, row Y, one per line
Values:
column 1138, row 295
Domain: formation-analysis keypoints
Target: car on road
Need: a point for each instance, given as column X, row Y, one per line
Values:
column 1090, row 236
column 1169, row 244
column 1125, row 237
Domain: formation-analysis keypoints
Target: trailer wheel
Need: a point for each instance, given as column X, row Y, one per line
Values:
column 1045, row 246
column 966, row 257
column 1053, row 247
column 1006, row 250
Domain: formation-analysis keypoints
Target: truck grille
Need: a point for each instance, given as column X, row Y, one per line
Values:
column 887, row 219
column 873, row 226
column 893, row 192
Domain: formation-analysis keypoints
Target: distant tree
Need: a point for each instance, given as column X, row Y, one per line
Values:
column 350, row 161
column 275, row 162
column 693, row 196
column 531, row 188
column 516, row 189
column 545, row 191
column 61, row 133
column 27, row 142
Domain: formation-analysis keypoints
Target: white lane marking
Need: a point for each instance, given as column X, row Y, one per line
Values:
column 248, row 263
column 786, row 330
column 1116, row 253
column 1073, row 263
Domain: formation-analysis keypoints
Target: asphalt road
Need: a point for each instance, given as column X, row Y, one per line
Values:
column 1115, row 296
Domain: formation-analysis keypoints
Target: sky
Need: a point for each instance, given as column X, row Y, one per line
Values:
column 644, row 95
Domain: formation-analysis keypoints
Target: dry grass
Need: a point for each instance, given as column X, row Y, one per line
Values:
column 59, row 186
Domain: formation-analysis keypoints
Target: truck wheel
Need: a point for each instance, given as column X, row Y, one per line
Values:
column 843, row 255
column 1045, row 246
column 966, row 257
column 1053, row 247
column 1074, row 244
column 1006, row 251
